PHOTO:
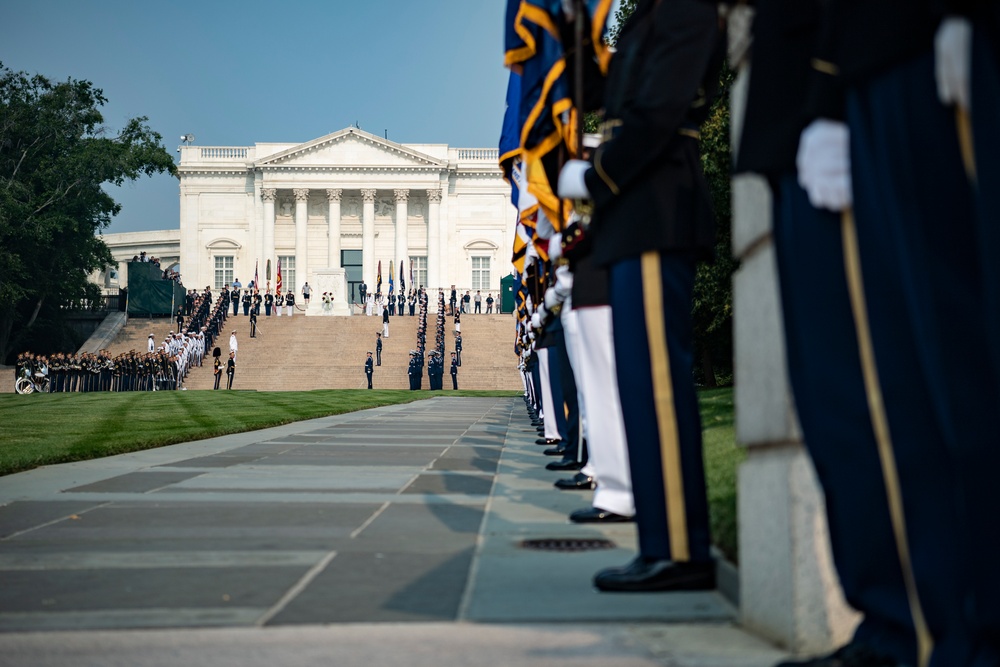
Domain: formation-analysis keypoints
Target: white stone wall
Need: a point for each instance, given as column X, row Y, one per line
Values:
column 222, row 211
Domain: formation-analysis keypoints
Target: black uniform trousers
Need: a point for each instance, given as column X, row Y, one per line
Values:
column 985, row 111
column 651, row 316
column 824, row 367
column 923, row 273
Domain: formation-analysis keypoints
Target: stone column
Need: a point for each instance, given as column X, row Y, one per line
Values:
column 268, row 195
column 434, row 254
column 301, row 237
column 788, row 589
column 368, row 238
column 333, row 228
column 402, row 230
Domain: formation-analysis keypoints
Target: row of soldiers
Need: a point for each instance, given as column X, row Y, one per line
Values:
column 875, row 125
column 87, row 372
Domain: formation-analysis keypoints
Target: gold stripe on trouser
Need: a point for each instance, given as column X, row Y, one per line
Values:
column 883, row 439
column 666, row 414
column 963, row 124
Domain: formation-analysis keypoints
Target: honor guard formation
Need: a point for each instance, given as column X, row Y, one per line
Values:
column 877, row 125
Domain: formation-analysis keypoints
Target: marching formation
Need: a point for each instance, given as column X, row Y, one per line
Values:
column 875, row 124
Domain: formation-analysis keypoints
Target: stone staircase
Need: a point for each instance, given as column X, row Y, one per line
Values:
column 301, row 353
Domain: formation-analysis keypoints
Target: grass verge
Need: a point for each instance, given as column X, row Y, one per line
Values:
column 57, row 428
column 722, row 459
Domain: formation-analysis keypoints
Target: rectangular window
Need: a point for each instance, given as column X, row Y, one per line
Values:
column 481, row 273
column 223, row 271
column 419, row 273
column 288, row 273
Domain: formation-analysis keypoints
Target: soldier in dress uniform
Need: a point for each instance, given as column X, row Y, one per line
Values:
column 253, row 323
column 378, row 348
column 898, row 304
column 652, row 223
column 290, row 302
column 268, row 303
column 369, row 369
column 230, row 370
column 217, row 366
column 279, row 303
column 454, row 372
column 458, row 347
column 235, row 297
column 247, row 301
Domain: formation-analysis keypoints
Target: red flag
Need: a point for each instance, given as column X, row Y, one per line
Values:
column 278, row 278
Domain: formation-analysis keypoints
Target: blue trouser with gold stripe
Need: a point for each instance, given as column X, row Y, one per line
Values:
column 920, row 253
column 651, row 317
column 825, row 370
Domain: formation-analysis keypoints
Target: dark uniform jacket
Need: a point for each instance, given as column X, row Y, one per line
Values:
column 647, row 185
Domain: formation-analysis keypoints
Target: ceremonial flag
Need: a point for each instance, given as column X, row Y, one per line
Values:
column 402, row 281
column 267, row 271
column 411, row 272
column 391, row 287
column 278, row 278
column 255, row 278
column 510, row 136
column 534, row 48
column 378, row 278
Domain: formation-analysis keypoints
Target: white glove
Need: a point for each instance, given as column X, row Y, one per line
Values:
column 824, row 164
column 536, row 321
column 564, row 283
column 571, row 182
column 555, row 247
column 551, row 299
column 952, row 60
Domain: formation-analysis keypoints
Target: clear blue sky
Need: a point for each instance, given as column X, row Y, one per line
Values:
column 236, row 73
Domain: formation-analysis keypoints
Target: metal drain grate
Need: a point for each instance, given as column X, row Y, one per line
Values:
column 566, row 544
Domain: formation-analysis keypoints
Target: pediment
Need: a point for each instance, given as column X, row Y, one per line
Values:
column 351, row 148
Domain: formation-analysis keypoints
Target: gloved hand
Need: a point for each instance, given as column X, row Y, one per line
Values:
column 824, row 164
column 552, row 299
column 571, row 182
column 952, row 60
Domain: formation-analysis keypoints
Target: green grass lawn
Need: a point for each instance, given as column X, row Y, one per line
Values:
column 56, row 428
column 722, row 459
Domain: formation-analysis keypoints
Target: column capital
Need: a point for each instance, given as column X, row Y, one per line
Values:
column 334, row 194
column 368, row 195
column 301, row 194
column 269, row 194
column 402, row 194
column 434, row 195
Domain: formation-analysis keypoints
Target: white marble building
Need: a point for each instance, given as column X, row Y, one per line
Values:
column 332, row 208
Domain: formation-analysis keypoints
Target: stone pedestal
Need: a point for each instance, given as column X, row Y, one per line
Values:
column 329, row 280
column 789, row 591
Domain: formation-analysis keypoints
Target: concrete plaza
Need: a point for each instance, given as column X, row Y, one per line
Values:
column 391, row 536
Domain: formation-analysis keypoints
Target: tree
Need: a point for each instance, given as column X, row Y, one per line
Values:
column 55, row 154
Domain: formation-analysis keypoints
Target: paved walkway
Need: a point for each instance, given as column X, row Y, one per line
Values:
column 388, row 536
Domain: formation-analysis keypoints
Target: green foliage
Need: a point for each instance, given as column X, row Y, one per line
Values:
column 55, row 155
column 713, row 290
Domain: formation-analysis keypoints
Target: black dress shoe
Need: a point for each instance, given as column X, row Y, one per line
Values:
column 555, row 451
column 852, row 655
column 564, row 464
column 578, row 482
column 597, row 515
column 547, row 441
column 642, row 575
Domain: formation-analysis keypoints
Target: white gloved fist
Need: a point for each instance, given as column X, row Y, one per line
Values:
column 571, row 182
column 551, row 299
column 824, row 164
column 536, row 321
column 952, row 60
